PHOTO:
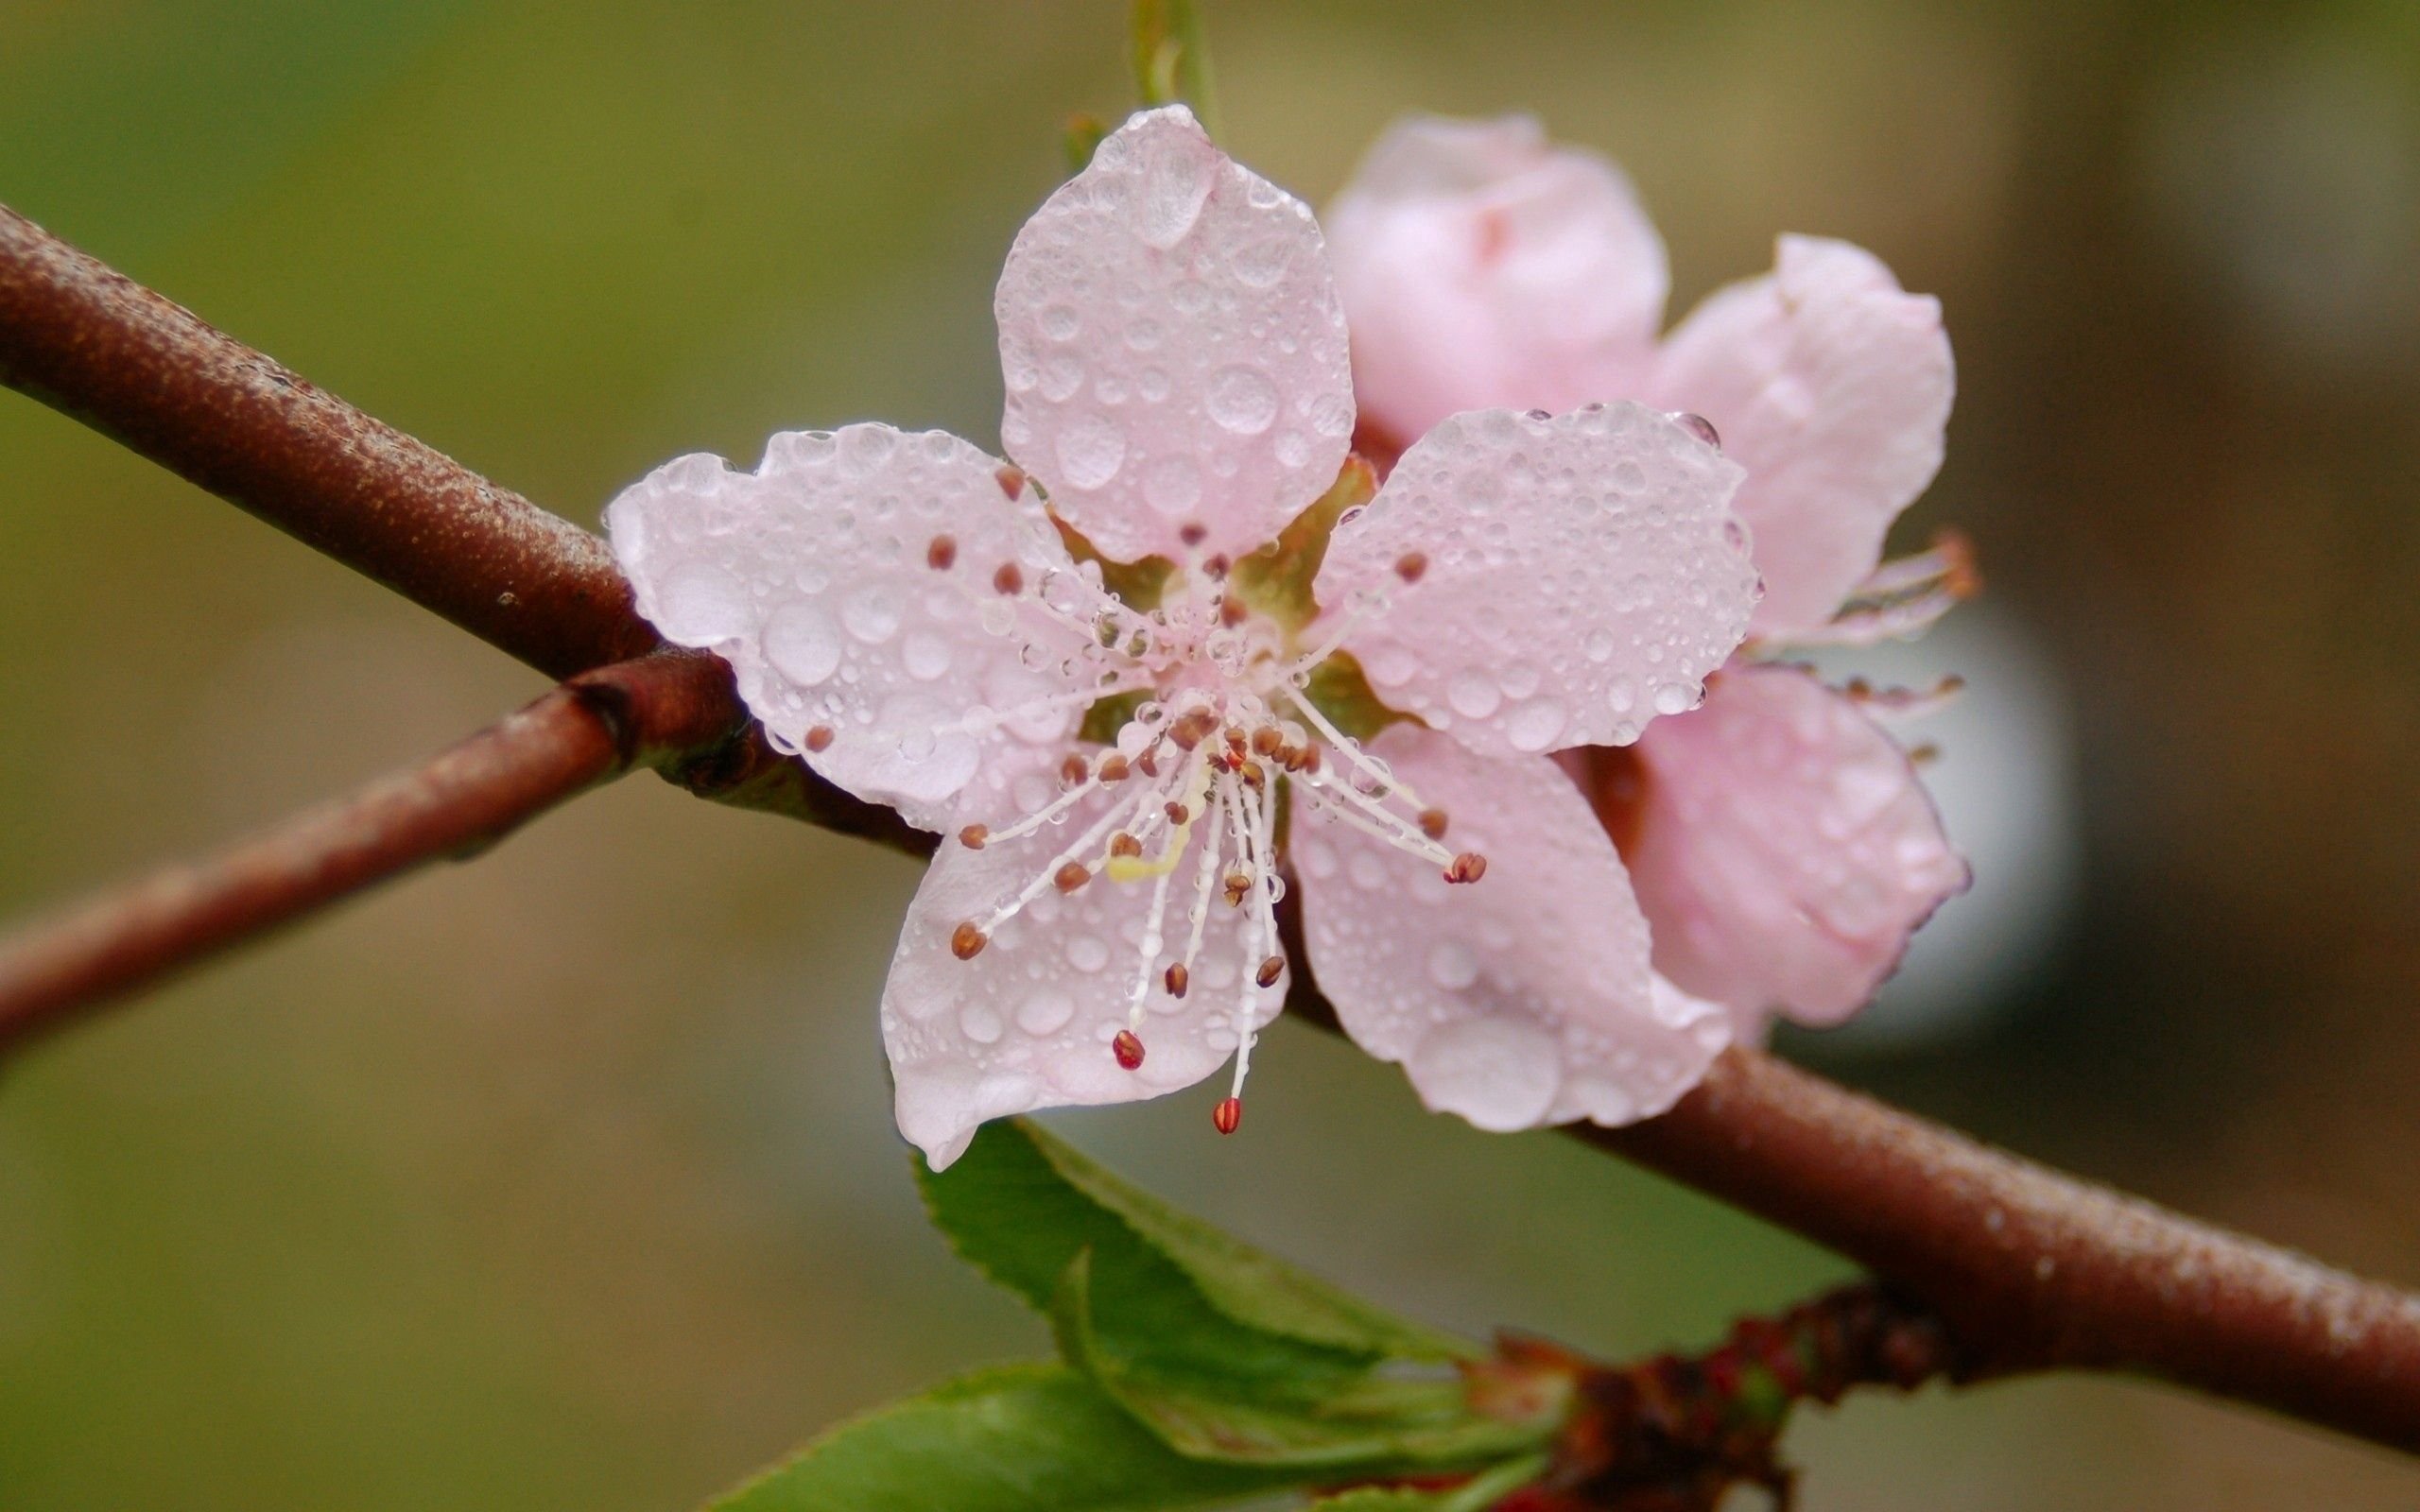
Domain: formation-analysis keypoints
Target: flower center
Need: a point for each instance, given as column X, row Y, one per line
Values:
column 1220, row 744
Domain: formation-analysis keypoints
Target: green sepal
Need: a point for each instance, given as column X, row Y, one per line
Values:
column 1277, row 580
column 1476, row 1494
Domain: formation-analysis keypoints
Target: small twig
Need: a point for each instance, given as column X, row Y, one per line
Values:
column 2028, row 1268
column 599, row 724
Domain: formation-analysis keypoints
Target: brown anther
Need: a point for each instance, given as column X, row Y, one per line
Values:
column 1228, row 1116
column 940, row 554
column 1293, row 758
column 1311, row 761
column 1410, row 565
column 1216, row 568
column 1178, row 979
column 1073, row 770
column 819, row 738
column 1238, row 888
column 1193, row 534
column 1432, row 824
column 1232, row 612
column 1177, row 813
column 966, row 941
column 1071, row 876
column 1254, row 777
column 974, row 836
column 1924, row 755
column 1012, row 478
column 1236, row 742
column 1123, row 844
column 1270, row 969
column 1149, row 763
column 1128, row 1048
column 1113, row 769
column 1266, row 740
column 1468, row 867
column 1192, row 728
column 1009, row 579
column 1962, row 577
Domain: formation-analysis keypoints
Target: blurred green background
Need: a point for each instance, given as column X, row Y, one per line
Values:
column 566, row 1179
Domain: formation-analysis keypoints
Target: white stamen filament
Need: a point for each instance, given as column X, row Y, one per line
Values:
column 1350, row 749
column 1086, row 845
column 1370, row 816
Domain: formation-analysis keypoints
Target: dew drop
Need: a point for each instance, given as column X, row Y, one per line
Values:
column 705, row 602
column 1452, row 966
column 1176, row 179
column 803, row 645
column 1534, row 725
column 1474, row 694
column 1060, row 323
column 873, row 613
column 1172, row 485
column 1243, row 399
column 980, row 1023
column 926, row 656
column 1673, row 698
column 1090, row 450
column 1087, row 952
column 1045, row 1013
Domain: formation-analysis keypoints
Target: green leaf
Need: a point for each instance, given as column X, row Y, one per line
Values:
column 1367, row 1423
column 1025, row 1439
column 1474, row 1495
column 1020, row 1204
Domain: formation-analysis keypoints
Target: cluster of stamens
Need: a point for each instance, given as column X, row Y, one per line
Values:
column 1226, row 721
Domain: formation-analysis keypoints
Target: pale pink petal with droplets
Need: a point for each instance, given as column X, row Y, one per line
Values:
column 1173, row 348
column 814, row 576
column 1482, row 268
column 1786, row 850
column 1026, row 1023
column 1832, row 386
column 1522, row 999
column 1575, row 577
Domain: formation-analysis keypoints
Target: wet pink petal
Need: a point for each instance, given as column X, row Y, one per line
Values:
column 847, row 580
column 1550, row 581
column 1483, row 268
column 1028, row 1021
column 1832, row 386
column 1522, row 999
column 1785, row 848
column 1173, row 348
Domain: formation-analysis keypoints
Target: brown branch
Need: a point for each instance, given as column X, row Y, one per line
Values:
column 2033, row 1269
column 597, row 726
column 100, row 348
column 2030, row 1270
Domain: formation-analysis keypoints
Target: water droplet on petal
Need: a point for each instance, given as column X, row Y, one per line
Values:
column 1243, row 399
column 803, row 645
column 980, row 1023
column 1045, row 1013
column 1452, row 966
column 873, row 613
column 1090, row 450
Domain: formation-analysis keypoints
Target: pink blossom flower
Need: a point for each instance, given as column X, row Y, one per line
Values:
column 1119, row 674
column 1781, row 844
